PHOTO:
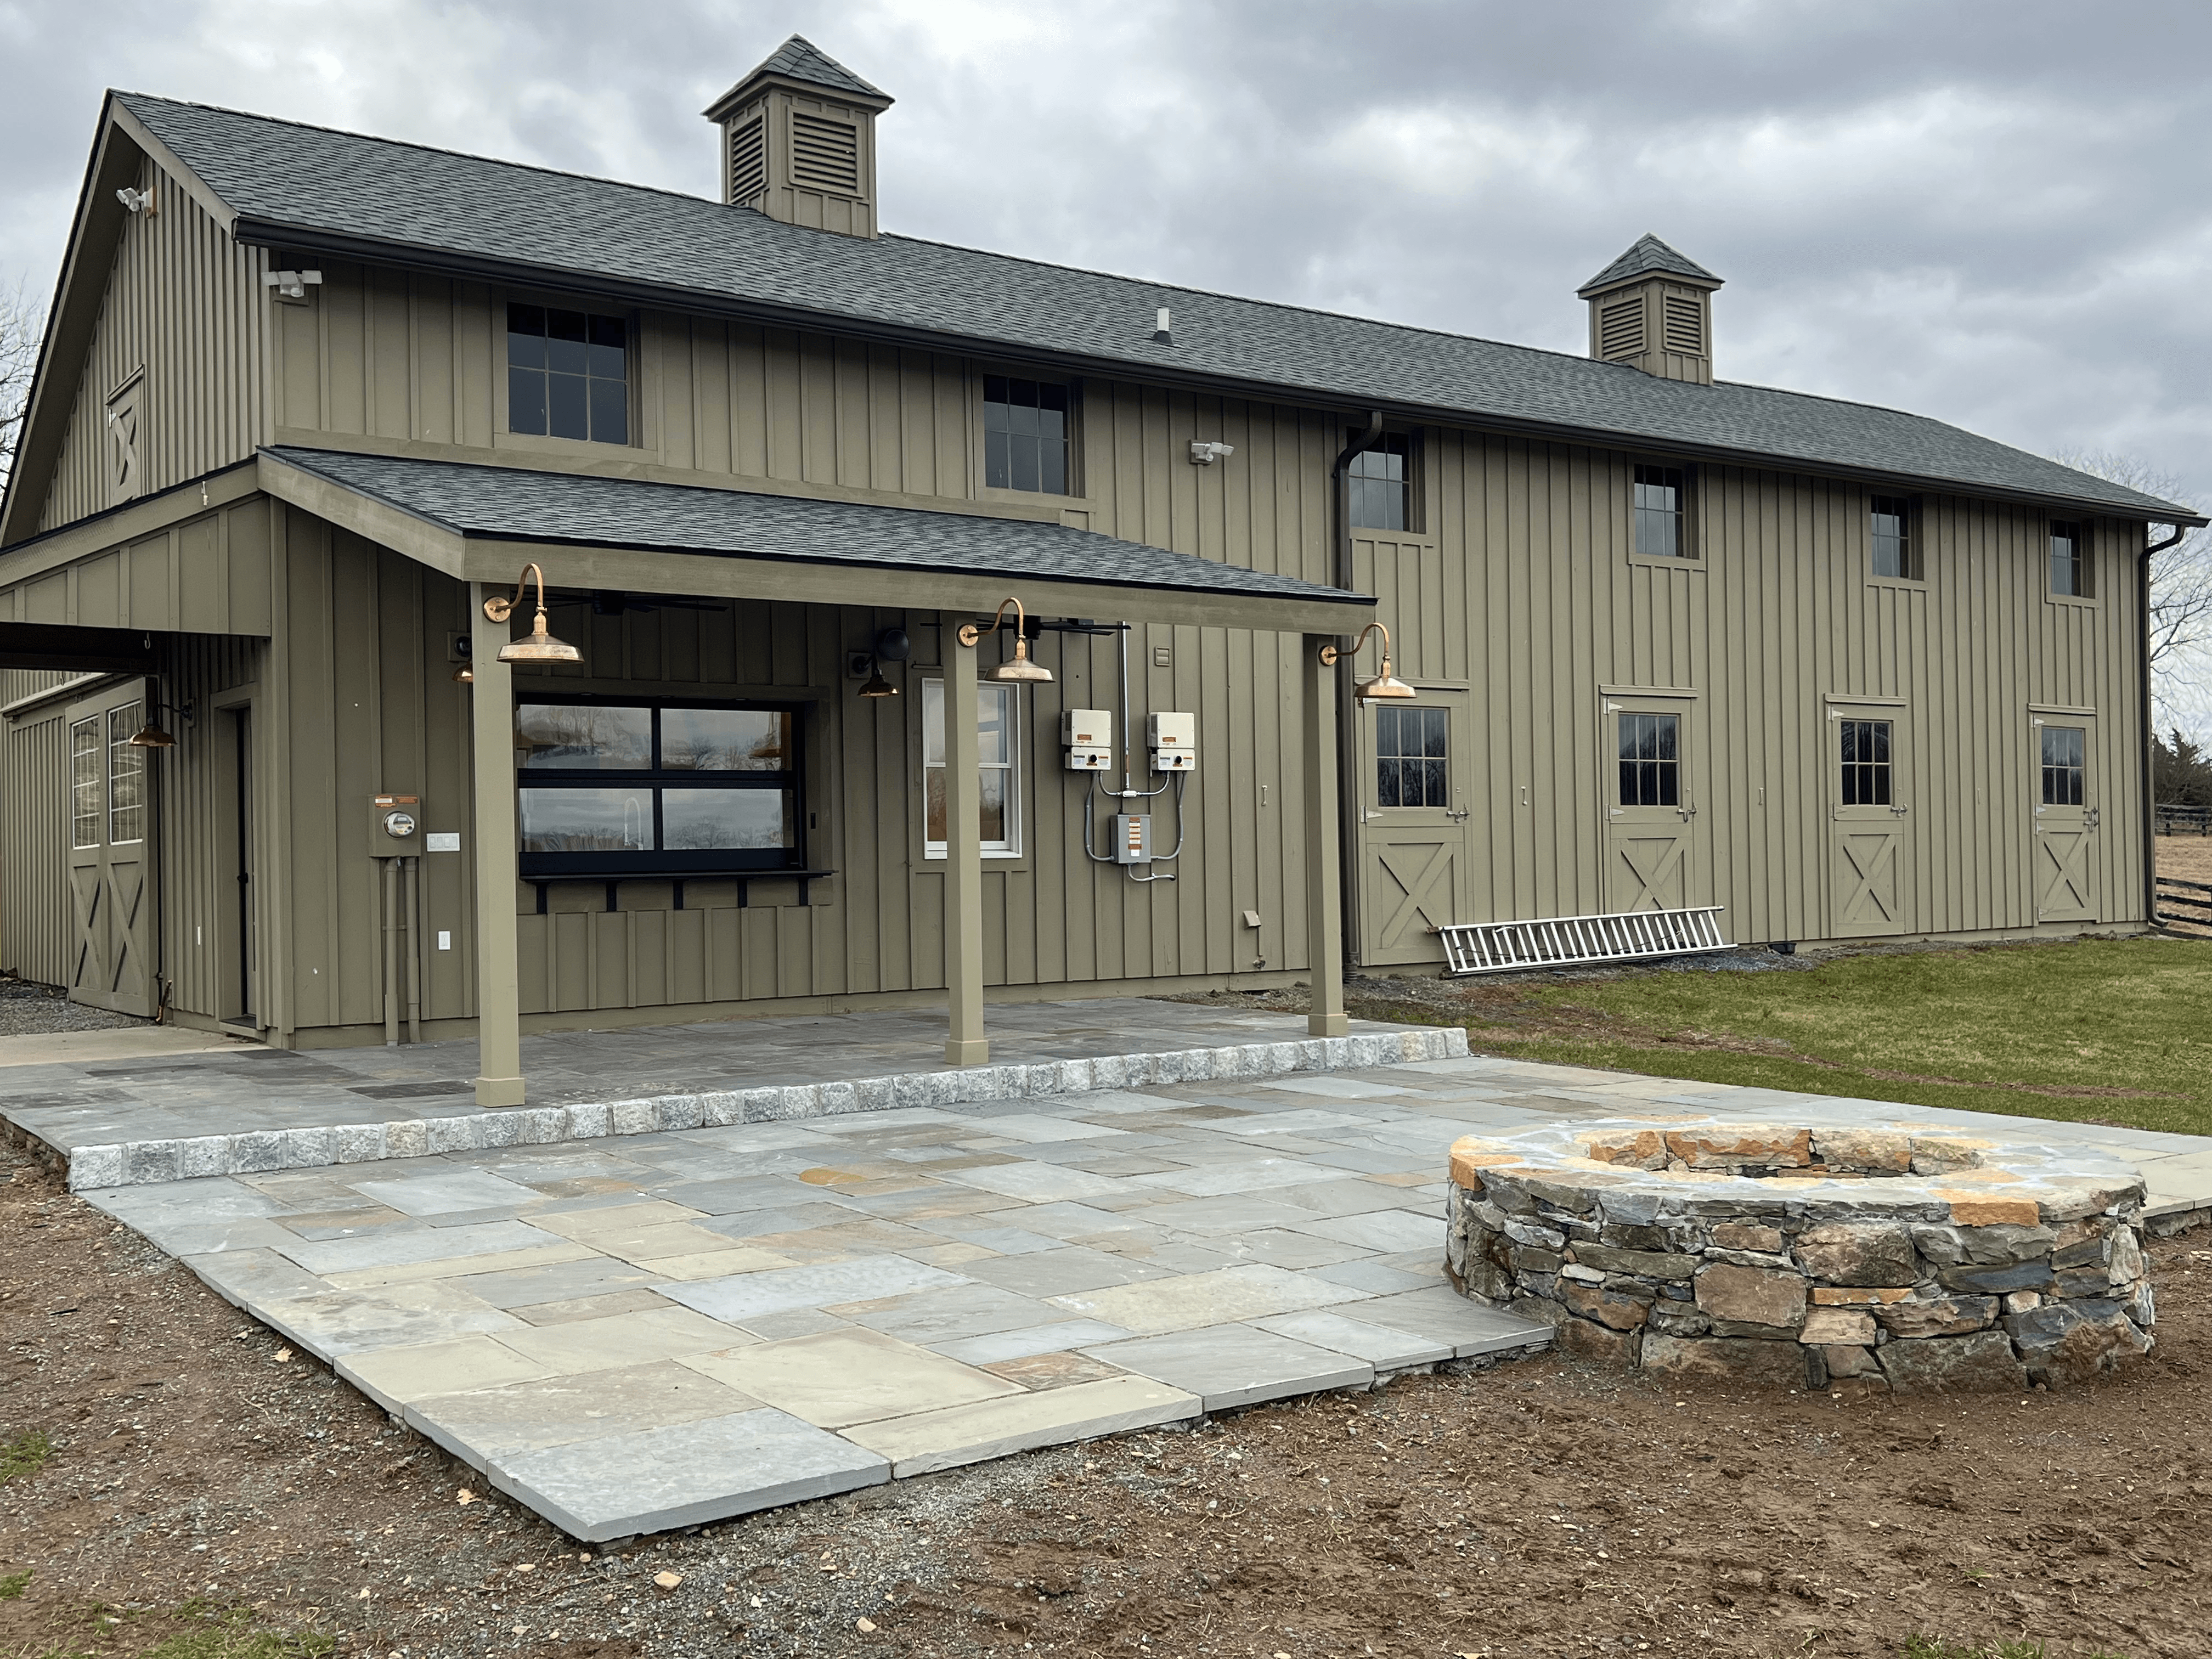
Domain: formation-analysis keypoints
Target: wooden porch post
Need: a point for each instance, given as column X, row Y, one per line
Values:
column 1324, row 906
column 499, row 1018
column 965, row 1044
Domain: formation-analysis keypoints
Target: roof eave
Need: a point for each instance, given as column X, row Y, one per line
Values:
column 268, row 233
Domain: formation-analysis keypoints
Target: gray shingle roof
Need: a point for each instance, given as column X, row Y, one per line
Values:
column 305, row 181
column 507, row 503
column 800, row 59
column 1648, row 254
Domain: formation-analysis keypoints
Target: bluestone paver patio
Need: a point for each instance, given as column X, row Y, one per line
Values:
column 661, row 1328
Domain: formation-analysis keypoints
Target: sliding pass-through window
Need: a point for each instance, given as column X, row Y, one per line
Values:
column 632, row 787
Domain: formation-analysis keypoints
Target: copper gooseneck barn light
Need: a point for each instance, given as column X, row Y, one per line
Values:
column 540, row 647
column 1018, row 668
column 1384, row 686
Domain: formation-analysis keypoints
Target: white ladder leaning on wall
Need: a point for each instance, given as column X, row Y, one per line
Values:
column 1490, row 947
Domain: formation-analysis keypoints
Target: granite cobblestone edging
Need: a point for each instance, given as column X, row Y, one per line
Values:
column 1899, row 1257
column 255, row 1151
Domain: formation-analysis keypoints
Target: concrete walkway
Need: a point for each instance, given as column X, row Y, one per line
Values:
column 656, row 1329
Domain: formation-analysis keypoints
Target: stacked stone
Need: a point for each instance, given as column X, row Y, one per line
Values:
column 1853, row 1260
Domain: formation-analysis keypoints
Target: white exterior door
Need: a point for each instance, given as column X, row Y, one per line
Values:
column 2067, row 845
column 111, row 815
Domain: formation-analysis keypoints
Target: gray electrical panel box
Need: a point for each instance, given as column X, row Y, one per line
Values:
column 1132, row 837
column 395, row 822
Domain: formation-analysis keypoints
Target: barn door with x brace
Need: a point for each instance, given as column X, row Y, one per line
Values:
column 1866, row 752
column 1412, row 825
column 1654, row 849
column 2068, row 870
column 111, row 857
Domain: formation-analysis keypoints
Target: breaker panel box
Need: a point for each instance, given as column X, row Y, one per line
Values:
column 1173, row 739
column 1088, row 735
column 1132, row 837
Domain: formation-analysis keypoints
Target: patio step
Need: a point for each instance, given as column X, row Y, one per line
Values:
column 254, row 1151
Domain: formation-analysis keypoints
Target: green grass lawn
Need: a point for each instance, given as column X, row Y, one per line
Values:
column 2106, row 1032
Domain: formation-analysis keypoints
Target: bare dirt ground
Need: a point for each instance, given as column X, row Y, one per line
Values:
column 1542, row 1507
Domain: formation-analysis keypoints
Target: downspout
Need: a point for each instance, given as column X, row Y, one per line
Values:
column 1347, row 712
column 2150, row 734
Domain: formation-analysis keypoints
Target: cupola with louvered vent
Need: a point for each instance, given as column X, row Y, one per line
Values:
column 798, row 140
column 1652, row 309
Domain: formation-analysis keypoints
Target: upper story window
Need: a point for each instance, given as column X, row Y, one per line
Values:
column 631, row 788
column 567, row 374
column 1024, row 435
column 2070, row 568
column 1896, row 548
column 1379, row 481
column 1659, row 514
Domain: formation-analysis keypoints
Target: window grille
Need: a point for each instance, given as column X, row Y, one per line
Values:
column 998, row 761
column 1026, row 431
column 1659, row 512
column 84, row 783
column 126, row 776
column 1412, row 762
column 2065, row 765
column 1865, row 757
column 1890, row 526
column 1379, row 481
column 1683, row 325
column 567, row 374
column 1650, row 760
column 2068, row 574
column 749, row 158
column 1620, row 328
column 825, row 154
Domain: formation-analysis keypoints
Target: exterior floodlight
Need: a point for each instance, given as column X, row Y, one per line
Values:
column 878, row 686
column 540, row 647
column 1385, row 685
column 1017, row 668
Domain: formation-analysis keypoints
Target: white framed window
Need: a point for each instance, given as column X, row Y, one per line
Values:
column 85, row 756
column 998, row 752
column 126, row 777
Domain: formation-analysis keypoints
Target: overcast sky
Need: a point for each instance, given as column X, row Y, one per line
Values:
column 1991, row 211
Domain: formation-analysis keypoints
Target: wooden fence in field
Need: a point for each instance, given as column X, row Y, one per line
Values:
column 2185, row 903
column 2175, row 819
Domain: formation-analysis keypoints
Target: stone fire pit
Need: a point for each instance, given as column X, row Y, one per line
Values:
column 1899, row 1257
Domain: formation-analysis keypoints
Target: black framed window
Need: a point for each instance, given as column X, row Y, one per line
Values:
column 2068, row 574
column 1659, row 514
column 2065, row 764
column 567, row 374
column 1413, row 763
column 628, row 787
column 1025, row 429
column 1896, row 549
column 1865, row 758
column 1379, row 484
column 1650, row 760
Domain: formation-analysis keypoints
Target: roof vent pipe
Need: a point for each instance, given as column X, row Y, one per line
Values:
column 1164, row 327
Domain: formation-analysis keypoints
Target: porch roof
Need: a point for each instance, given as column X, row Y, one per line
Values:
column 477, row 521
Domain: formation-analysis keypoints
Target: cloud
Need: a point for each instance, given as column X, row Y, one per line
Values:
column 1992, row 211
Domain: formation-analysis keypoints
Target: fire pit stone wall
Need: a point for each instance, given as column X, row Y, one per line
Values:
column 1898, row 1256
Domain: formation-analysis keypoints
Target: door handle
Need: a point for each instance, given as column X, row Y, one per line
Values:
column 1899, row 811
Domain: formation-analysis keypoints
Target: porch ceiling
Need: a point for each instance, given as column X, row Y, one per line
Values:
column 87, row 650
column 480, row 522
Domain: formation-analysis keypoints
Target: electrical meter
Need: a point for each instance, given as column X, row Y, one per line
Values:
column 393, row 822
column 1088, row 735
column 1173, row 739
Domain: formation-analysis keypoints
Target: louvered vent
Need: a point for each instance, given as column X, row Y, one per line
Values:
column 825, row 156
column 1620, row 328
column 1685, row 326
column 748, row 159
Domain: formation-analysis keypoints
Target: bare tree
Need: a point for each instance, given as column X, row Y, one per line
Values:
column 2180, row 577
column 21, row 324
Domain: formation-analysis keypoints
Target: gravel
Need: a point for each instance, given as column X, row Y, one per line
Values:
column 28, row 1009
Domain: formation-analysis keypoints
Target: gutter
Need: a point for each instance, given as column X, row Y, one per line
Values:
column 1348, row 795
column 2149, row 733
column 634, row 291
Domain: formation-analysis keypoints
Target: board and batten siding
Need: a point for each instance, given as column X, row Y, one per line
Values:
column 184, row 308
